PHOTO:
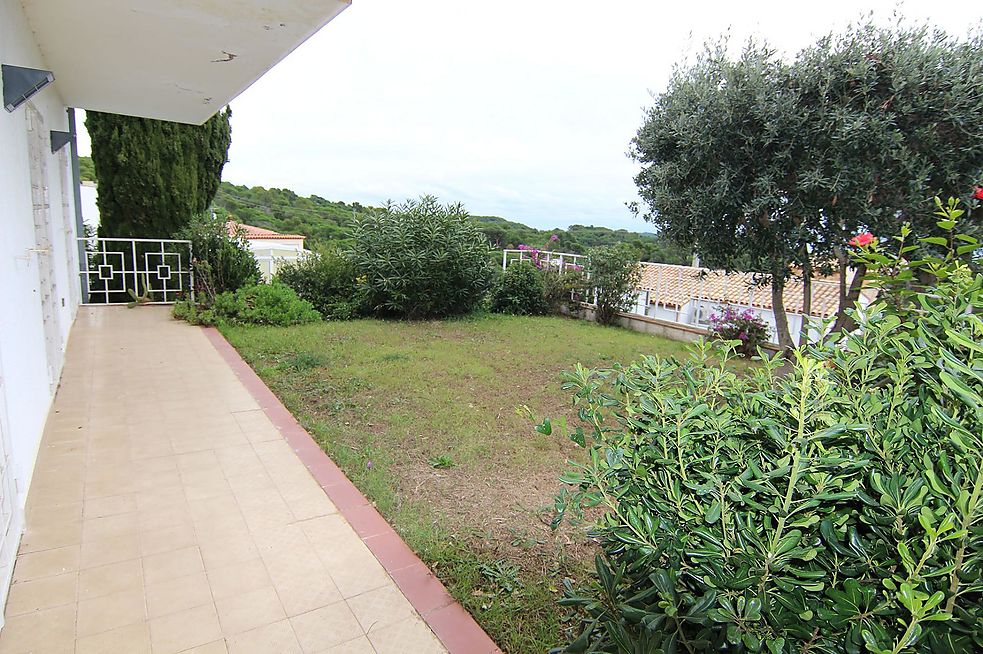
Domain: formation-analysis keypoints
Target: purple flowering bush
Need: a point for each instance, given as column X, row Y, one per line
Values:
column 742, row 325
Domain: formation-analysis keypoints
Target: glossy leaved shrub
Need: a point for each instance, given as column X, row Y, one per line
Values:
column 326, row 278
column 837, row 508
column 519, row 290
column 421, row 259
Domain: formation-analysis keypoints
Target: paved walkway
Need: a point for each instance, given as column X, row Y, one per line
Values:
column 169, row 514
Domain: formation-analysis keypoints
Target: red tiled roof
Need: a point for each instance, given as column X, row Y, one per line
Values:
column 676, row 285
column 251, row 232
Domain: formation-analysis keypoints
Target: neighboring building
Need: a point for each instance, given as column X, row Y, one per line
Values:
column 164, row 59
column 270, row 248
column 688, row 295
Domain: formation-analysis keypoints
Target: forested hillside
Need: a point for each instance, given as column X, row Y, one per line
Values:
column 326, row 221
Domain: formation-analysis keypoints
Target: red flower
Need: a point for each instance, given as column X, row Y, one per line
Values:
column 862, row 240
column 979, row 193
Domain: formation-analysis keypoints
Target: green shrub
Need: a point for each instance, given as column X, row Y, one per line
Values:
column 614, row 275
column 421, row 259
column 744, row 327
column 259, row 304
column 564, row 291
column 835, row 509
column 519, row 291
column 221, row 261
column 325, row 278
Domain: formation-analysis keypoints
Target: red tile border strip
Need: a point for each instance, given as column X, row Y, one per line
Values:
column 454, row 626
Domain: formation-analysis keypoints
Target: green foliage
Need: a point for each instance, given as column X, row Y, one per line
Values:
column 87, row 170
column 327, row 222
column 265, row 304
column 155, row 175
column 744, row 328
column 835, row 509
column 519, row 291
column 564, row 290
column 421, row 259
column 326, row 278
column 614, row 275
column 222, row 261
column 771, row 166
column 441, row 462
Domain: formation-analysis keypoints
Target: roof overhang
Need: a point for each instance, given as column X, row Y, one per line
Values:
column 180, row 60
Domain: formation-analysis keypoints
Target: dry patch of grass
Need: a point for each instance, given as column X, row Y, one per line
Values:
column 422, row 417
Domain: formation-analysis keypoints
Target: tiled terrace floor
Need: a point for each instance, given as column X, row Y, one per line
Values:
column 168, row 514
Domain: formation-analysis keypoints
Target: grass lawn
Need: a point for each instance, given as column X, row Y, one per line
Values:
column 422, row 418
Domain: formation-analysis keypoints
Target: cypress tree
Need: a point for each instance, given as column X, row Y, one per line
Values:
column 154, row 175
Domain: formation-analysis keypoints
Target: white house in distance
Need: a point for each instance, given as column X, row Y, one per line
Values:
column 179, row 60
column 689, row 295
column 271, row 249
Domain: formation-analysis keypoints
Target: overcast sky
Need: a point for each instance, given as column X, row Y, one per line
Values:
column 522, row 110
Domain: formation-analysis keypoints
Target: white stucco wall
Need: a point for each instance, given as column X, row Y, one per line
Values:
column 271, row 253
column 25, row 386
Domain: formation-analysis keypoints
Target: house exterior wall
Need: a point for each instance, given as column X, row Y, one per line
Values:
column 30, row 355
column 272, row 253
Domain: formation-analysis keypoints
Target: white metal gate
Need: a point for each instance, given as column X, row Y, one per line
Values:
column 125, row 270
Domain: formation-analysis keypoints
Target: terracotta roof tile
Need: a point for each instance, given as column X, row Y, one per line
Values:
column 676, row 285
column 250, row 232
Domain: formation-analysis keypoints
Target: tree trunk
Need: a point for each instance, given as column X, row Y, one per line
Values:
column 778, row 308
column 848, row 298
column 806, row 298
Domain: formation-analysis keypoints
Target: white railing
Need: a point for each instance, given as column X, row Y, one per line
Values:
column 156, row 270
column 559, row 261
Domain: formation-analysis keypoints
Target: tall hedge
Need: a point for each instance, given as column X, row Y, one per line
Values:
column 154, row 175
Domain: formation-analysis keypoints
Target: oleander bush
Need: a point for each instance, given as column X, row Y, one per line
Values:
column 421, row 259
column 326, row 278
column 837, row 508
column 519, row 290
column 614, row 276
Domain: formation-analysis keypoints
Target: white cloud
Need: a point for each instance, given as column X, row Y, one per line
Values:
column 522, row 110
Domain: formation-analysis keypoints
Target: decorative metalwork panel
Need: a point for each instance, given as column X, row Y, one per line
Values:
column 141, row 270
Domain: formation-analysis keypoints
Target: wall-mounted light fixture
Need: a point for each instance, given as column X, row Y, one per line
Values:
column 21, row 83
column 59, row 140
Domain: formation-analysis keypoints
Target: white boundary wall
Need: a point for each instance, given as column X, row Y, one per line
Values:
column 31, row 348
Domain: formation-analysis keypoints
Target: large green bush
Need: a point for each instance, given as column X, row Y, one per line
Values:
column 519, row 291
column 421, row 259
column 326, row 278
column 838, row 508
column 614, row 275
column 221, row 261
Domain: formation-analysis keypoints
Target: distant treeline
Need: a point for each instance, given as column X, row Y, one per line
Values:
column 328, row 222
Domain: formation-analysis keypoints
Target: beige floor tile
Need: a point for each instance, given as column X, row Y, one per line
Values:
column 220, row 552
column 186, row 629
column 238, row 578
column 110, row 526
column 325, row 627
column 409, row 635
column 111, row 611
column 360, row 645
column 50, row 535
column 131, row 639
column 52, row 630
column 47, row 563
column 277, row 637
column 167, row 539
column 101, row 507
column 40, row 594
column 110, row 550
column 178, row 594
column 214, row 647
column 112, row 578
column 171, row 565
column 249, row 610
column 380, row 608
